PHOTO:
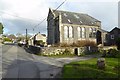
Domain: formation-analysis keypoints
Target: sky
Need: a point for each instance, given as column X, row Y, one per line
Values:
column 18, row 15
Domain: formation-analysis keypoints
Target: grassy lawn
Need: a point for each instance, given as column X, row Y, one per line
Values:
column 88, row 69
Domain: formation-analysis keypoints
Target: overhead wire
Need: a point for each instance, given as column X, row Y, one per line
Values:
column 17, row 16
column 32, row 19
column 46, row 18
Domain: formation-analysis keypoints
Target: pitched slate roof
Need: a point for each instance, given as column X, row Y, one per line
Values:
column 104, row 31
column 76, row 18
column 41, row 35
column 116, row 28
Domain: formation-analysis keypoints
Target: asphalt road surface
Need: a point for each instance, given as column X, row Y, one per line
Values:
column 17, row 63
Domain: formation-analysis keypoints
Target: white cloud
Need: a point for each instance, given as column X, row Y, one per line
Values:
column 93, row 0
column 38, row 10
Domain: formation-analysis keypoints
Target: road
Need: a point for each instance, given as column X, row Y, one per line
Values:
column 0, row 61
column 17, row 63
column 52, row 67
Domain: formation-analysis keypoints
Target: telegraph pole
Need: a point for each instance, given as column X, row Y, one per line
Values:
column 26, row 34
column 26, row 39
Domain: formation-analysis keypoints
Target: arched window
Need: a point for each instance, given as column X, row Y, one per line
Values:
column 70, row 32
column 94, row 32
column 65, row 32
column 90, row 32
column 90, row 29
column 79, row 32
column 94, row 29
column 83, row 32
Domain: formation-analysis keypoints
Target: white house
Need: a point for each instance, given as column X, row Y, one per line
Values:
column 37, row 37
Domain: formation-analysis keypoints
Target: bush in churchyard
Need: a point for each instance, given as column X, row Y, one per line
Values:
column 118, row 43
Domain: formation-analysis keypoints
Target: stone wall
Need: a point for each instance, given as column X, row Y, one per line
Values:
column 73, row 50
column 55, row 50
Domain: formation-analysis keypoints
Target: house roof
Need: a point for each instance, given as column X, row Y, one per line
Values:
column 42, row 35
column 104, row 31
column 116, row 28
column 76, row 18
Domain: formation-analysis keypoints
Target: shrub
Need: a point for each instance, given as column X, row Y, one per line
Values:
column 67, row 51
column 39, row 42
column 111, row 53
column 90, row 43
column 83, row 43
column 80, row 43
column 118, row 43
column 82, row 54
column 73, row 44
column 59, row 53
column 101, row 51
column 118, row 55
column 55, row 45
column 64, row 45
column 104, row 53
column 7, row 39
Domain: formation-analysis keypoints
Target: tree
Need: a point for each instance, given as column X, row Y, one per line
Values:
column 118, row 43
column 7, row 39
column 1, row 28
column 4, row 35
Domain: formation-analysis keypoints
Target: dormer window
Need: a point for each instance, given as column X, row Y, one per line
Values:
column 92, row 22
column 76, row 16
column 65, row 14
column 69, row 21
column 80, row 21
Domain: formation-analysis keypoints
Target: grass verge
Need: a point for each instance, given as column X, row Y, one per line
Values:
column 88, row 69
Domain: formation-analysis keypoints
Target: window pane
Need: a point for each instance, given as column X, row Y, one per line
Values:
column 112, row 36
column 94, row 32
column 90, row 32
column 65, row 32
column 70, row 32
column 83, row 32
column 79, row 32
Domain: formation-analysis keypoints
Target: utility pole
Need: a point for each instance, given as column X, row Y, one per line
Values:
column 26, row 39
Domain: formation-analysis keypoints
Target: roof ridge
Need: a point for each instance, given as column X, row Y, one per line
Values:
column 93, row 18
column 76, row 17
column 70, row 11
column 76, row 13
column 103, row 30
column 114, row 29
